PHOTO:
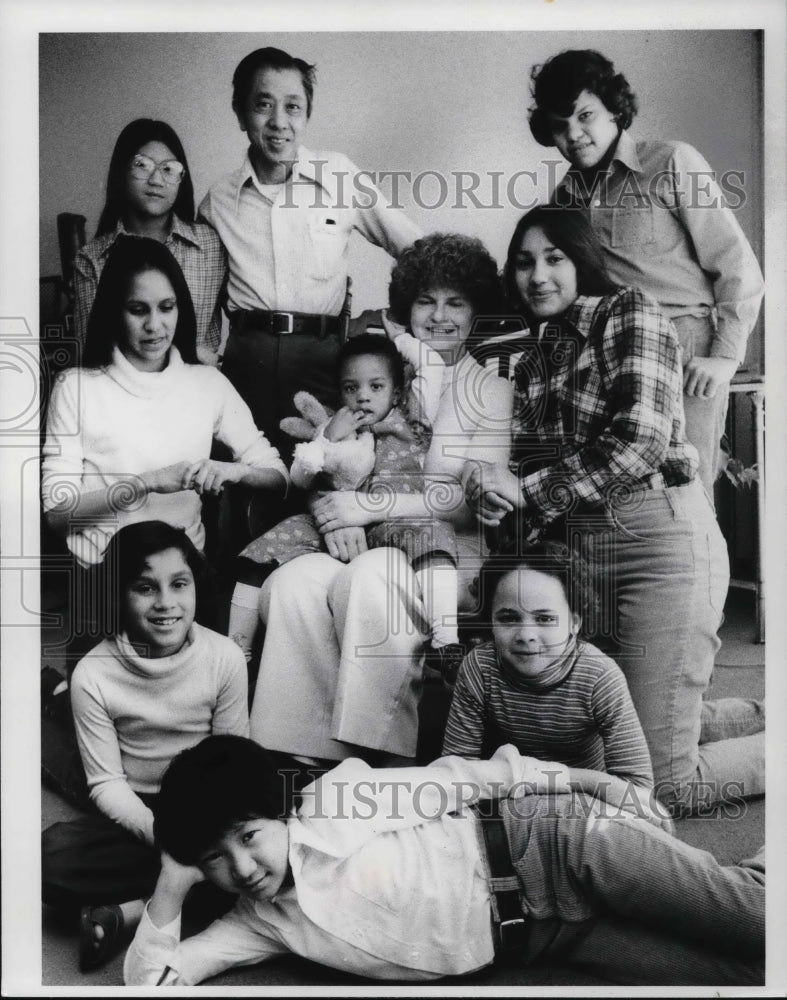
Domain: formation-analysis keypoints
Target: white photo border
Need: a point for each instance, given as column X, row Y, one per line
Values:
column 21, row 21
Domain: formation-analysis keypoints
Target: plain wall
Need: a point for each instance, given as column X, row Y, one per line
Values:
column 417, row 101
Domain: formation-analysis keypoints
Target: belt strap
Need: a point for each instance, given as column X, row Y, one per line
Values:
column 281, row 323
column 509, row 927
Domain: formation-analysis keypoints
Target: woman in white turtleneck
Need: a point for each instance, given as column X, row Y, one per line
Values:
column 129, row 434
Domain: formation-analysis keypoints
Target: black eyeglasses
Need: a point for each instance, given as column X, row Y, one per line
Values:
column 142, row 167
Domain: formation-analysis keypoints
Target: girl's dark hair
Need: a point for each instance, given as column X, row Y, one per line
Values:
column 211, row 787
column 569, row 231
column 576, row 575
column 558, row 83
column 130, row 548
column 269, row 58
column 381, row 347
column 445, row 260
column 130, row 256
column 133, row 137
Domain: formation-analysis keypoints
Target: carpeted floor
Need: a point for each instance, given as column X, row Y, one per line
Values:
column 739, row 672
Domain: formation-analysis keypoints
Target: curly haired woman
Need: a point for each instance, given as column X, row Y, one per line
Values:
column 340, row 673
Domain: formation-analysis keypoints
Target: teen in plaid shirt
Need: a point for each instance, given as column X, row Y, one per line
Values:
column 600, row 453
column 618, row 420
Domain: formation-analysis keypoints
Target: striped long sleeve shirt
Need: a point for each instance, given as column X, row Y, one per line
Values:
column 587, row 719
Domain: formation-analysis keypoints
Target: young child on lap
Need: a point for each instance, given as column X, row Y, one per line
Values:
column 536, row 683
column 160, row 685
column 383, row 873
column 375, row 443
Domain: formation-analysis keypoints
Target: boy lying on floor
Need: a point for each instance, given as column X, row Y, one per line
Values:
column 385, row 873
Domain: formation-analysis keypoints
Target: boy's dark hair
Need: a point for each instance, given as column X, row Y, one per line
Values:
column 445, row 260
column 131, row 546
column 377, row 345
column 133, row 137
column 269, row 58
column 576, row 575
column 209, row 788
column 558, row 83
column 569, row 230
column 130, row 256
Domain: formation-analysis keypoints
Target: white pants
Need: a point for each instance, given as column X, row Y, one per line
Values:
column 341, row 662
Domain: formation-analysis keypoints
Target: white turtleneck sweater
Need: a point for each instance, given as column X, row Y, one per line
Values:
column 134, row 714
column 108, row 426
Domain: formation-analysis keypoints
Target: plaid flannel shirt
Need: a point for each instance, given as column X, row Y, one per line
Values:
column 198, row 250
column 599, row 410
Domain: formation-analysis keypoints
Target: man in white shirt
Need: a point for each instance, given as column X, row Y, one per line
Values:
column 285, row 218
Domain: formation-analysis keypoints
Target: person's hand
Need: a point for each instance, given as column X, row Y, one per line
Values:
column 179, row 878
column 344, row 424
column 392, row 328
column 345, row 544
column 173, row 885
column 704, row 376
column 169, row 479
column 210, row 476
column 492, row 491
column 340, row 509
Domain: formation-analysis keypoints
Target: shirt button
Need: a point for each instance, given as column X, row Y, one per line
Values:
column 597, row 203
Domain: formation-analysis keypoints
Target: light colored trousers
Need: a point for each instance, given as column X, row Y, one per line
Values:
column 629, row 902
column 341, row 662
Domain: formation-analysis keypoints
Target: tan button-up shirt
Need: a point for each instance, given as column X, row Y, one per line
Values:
column 661, row 215
column 288, row 243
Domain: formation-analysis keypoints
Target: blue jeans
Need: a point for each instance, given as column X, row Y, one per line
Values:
column 705, row 418
column 630, row 902
column 668, row 573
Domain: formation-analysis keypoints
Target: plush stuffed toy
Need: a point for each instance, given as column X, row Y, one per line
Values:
column 345, row 463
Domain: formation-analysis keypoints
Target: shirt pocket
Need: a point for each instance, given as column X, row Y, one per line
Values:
column 634, row 228
column 327, row 241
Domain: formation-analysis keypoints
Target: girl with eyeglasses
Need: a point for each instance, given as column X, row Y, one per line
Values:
column 149, row 193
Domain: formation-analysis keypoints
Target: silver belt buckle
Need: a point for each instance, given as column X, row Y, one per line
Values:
column 287, row 317
column 510, row 933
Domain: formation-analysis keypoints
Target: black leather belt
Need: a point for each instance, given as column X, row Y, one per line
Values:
column 283, row 323
column 509, row 927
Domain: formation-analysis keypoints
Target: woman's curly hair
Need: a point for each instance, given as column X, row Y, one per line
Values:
column 557, row 84
column 445, row 260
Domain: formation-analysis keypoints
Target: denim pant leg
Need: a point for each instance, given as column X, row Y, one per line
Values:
column 705, row 418
column 629, row 900
column 670, row 576
column 728, row 718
